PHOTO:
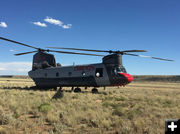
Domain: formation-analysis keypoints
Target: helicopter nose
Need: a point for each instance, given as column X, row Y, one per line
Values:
column 128, row 77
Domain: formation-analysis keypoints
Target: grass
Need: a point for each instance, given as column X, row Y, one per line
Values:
column 140, row 107
column 45, row 108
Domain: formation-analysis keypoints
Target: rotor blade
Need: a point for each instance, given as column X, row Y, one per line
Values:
column 134, row 51
column 162, row 59
column 25, row 53
column 148, row 57
column 18, row 43
column 75, row 53
column 106, row 51
column 79, row 49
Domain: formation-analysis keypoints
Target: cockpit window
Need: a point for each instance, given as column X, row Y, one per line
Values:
column 117, row 70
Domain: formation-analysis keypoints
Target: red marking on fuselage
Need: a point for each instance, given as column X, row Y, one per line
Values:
column 40, row 58
column 84, row 68
column 126, row 79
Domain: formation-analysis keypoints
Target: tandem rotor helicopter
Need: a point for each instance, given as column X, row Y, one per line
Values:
column 46, row 73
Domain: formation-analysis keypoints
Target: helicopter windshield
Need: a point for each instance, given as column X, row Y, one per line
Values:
column 119, row 69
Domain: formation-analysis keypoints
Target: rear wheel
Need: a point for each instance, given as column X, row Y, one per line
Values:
column 77, row 90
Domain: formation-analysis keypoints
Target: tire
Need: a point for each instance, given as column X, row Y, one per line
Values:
column 77, row 90
column 94, row 90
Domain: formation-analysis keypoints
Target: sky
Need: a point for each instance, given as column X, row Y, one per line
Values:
column 152, row 25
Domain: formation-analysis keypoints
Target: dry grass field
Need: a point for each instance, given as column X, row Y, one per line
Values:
column 138, row 108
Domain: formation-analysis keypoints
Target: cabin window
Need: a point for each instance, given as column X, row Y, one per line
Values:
column 57, row 74
column 99, row 72
column 70, row 73
column 83, row 73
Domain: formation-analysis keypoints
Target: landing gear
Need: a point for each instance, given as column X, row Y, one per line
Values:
column 77, row 90
column 94, row 91
column 55, row 88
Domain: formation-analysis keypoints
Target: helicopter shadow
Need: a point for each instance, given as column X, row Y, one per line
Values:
column 26, row 88
column 60, row 93
column 34, row 88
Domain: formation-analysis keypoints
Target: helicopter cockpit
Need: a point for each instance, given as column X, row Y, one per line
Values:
column 119, row 69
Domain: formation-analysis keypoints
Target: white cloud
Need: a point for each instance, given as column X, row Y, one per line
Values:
column 3, row 24
column 2, row 69
column 40, row 24
column 67, row 26
column 22, row 70
column 12, row 50
column 15, row 68
column 53, row 21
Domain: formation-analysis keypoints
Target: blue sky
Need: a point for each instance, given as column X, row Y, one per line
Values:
column 152, row 25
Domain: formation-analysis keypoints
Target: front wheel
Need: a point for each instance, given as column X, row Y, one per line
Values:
column 94, row 90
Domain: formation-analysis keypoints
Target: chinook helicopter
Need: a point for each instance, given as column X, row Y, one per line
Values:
column 47, row 74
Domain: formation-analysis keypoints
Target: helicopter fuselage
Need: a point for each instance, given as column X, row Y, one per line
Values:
column 91, row 75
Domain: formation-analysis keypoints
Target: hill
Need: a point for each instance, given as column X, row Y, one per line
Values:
column 157, row 78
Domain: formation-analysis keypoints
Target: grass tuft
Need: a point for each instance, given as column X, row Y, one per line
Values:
column 45, row 107
column 119, row 111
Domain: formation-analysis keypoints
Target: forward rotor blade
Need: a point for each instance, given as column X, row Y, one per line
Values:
column 134, row 51
column 25, row 53
column 161, row 59
column 143, row 56
column 18, row 43
column 78, row 49
column 75, row 53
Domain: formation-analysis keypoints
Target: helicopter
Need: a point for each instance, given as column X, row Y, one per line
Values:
column 46, row 73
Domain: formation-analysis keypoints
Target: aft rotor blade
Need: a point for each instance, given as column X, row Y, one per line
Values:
column 75, row 53
column 148, row 57
column 18, row 43
column 93, row 50
column 25, row 53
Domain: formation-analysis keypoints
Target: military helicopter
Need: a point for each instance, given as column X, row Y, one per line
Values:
column 47, row 74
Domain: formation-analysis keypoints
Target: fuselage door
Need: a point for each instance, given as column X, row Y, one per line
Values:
column 101, row 76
